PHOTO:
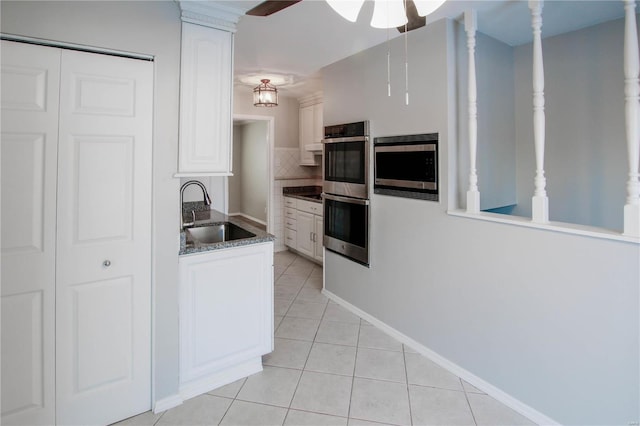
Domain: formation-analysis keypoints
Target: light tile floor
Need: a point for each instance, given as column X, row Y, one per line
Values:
column 330, row 367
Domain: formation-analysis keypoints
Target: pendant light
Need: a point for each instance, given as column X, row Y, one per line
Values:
column 265, row 94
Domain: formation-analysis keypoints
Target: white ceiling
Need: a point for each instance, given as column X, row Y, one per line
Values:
column 303, row 38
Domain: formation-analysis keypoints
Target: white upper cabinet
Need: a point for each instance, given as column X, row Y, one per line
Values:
column 311, row 130
column 206, row 81
column 205, row 101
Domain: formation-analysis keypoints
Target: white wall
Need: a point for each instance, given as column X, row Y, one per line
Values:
column 585, row 153
column 254, row 170
column 285, row 114
column 249, row 185
column 235, row 189
column 551, row 319
column 151, row 28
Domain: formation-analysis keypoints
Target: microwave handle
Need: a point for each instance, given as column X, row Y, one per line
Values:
column 359, row 201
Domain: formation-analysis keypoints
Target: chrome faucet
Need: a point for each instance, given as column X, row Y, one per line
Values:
column 207, row 201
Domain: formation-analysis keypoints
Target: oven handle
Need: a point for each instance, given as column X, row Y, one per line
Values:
column 405, row 148
column 359, row 201
column 349, row 139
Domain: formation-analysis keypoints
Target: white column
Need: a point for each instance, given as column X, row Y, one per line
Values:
column 540, row 202
column 632, row 117
column 473, row 195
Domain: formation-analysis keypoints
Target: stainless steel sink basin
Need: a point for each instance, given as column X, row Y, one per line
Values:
column 217, row 233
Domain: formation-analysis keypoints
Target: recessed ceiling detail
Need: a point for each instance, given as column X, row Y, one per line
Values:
column 278, row 79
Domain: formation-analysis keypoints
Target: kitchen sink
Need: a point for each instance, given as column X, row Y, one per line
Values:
column 211, row 234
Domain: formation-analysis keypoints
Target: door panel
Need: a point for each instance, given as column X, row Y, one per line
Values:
column 104, row 168
column 30, row 98
column 103, row 95
column 104, row 234
column 24, row 366
column 105, row 308
column 23, row 161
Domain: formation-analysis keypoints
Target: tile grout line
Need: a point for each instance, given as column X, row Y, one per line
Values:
column 406, row 377
column 159, row 418
column 294, row 297
column 234, row 399
column 293, row 395
column 229, row 407
column 473, row 416
column 353, row 377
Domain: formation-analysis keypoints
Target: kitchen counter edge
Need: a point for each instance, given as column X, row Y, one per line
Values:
column 214, row 217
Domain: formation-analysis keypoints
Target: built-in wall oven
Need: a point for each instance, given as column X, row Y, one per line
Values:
column 346, row 159
column 346, row 156
column 346, row 227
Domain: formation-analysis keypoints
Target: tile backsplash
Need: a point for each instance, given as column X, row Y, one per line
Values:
column 287, row 165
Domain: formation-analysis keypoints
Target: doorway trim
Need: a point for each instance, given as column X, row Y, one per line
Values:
column 270, row 120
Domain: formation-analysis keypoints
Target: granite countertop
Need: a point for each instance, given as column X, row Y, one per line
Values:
column 214, row 217
column 307, row 193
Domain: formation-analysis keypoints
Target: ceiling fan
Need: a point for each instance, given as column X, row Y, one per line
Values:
column 269, row 7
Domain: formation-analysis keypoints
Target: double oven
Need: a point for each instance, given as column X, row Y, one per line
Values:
column 346, row 157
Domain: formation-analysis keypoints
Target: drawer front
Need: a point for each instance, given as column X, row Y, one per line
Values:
column 290, row 213
column 310, row 207
column 290, row 202
column 290, row 238
column 290, row 223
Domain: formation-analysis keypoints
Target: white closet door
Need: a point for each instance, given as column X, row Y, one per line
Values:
column 104, row 239
column 30, row 79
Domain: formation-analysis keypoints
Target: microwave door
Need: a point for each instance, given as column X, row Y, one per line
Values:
column 406, row 166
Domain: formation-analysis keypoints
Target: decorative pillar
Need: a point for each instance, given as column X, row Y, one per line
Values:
column 632, row 119
column 540, row 201
column 473, row 195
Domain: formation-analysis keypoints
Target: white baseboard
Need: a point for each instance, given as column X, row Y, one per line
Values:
column 167, row 403
column 506, row 399
column 214, row 381
column 261, row 222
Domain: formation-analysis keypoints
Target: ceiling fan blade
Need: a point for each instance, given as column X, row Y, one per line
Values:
column 269, row 7
column 414, row 20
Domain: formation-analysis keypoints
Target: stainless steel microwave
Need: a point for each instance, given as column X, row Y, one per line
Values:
column 407, row 166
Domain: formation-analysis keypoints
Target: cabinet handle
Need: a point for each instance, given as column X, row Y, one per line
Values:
column 106, row 263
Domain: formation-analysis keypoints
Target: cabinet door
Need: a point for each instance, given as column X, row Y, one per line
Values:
column 305, row 228
column 205, row 100
column 30, row 78
column 306, row 135
column 318, row 225
column 318, row 124
column 226, row 309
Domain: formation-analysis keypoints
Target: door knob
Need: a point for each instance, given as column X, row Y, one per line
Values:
column 106, row 263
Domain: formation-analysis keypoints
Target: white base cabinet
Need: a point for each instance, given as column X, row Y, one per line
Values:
column 309, row 235
column 304, row 243
column 318, row 226
column 304, row 233
column 226, row 316
column 290, row 222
